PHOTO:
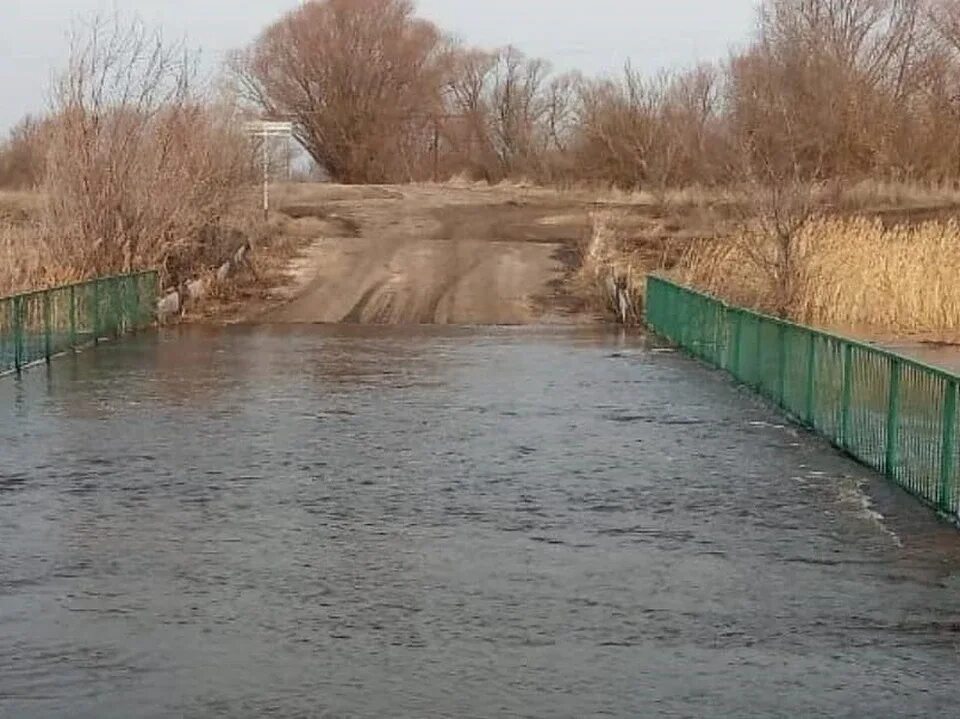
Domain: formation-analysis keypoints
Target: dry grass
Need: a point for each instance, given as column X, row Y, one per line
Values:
column 26, row 259
column 692, row 196
column 613, row 269
column 19, row 206
column 850, row 274
column 888, row 194
column 21, row 259
column 31, row 256
column 865, row 196
column 862, row 197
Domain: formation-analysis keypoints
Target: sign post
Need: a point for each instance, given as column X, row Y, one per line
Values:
column 266, row 129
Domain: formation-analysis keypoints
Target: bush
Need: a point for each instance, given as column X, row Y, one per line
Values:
column 23, row 155
column 142, row 166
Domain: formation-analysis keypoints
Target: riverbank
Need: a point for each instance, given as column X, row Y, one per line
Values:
column 470, row 253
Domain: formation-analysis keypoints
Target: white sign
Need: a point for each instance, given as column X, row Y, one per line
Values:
column 265, row 129
column 270, row 128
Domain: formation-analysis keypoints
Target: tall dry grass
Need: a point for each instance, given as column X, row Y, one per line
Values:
column 26, row 261
column 21, row 259
column 849, row 274
column 613, row 269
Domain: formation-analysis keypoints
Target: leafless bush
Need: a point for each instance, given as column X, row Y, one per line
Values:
column 143, row 168
column 653, row 134
column 771, row 238
column 869, row 85
column 852, row 89
column 23, row 155
column 613, row 270
column 506, row 116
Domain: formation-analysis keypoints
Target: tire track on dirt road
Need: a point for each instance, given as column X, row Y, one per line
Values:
column 437, row 257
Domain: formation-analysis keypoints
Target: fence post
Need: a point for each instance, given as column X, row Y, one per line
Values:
column 759, row 357
column 133, row 285
column 847, row 396
column 948, row 447
column 684, row 330
column 18, row 332
column 116, row 299
column 893, row 419
column 809, row 411
column 714, row 313
column 737, row 334
column 73, row 316
column 47, row 348
column 96, row 312
column 782, row 365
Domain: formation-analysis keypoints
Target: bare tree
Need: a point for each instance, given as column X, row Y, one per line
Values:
column 782, row 197
column 506, row 115
column 518, row 108
column 870, row 87
column 847, row 70
column 468, row 113
column 651, row 133
column 945, row 16
column 561, row 110
column 360, row 79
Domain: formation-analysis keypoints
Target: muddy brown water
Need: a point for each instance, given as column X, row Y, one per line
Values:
column 373, row 522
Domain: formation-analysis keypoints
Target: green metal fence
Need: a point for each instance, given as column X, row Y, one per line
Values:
column 893, row 413
column 35, row 326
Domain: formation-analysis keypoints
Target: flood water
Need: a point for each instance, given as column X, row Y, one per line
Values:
column 946, row 357
column 310, row 522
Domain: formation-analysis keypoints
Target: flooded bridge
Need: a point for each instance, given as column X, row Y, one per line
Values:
column 370, row 522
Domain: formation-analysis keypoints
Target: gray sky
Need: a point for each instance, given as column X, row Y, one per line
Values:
column 595, row 36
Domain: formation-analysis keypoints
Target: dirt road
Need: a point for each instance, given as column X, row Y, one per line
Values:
column 428, row 255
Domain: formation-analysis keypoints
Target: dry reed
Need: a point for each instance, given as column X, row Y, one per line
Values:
column 850, row 274
column 612, row 269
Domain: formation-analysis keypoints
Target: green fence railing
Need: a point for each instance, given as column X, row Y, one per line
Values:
column 35, row 326
column 893, row 413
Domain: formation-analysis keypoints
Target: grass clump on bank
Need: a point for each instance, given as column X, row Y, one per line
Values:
column 611, row 271
column 623, row 247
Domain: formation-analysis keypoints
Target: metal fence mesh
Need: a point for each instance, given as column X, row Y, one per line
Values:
column 38, row 325
column 892, row 413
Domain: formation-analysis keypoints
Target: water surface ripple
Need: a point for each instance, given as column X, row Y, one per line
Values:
column 310, row 522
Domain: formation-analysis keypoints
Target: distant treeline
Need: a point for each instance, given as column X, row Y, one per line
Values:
column 825, row 89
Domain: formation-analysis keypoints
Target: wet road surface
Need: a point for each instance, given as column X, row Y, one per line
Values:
column 449, row 523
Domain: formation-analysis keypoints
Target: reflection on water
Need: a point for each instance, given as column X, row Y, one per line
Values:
column 360, row 522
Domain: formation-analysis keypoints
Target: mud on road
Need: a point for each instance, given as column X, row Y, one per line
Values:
column 432, row 255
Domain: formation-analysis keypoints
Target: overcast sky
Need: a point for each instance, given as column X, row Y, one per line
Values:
column 593, row 35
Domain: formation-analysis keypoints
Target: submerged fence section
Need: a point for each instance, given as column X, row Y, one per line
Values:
column 38, row 325
column 893, row 413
